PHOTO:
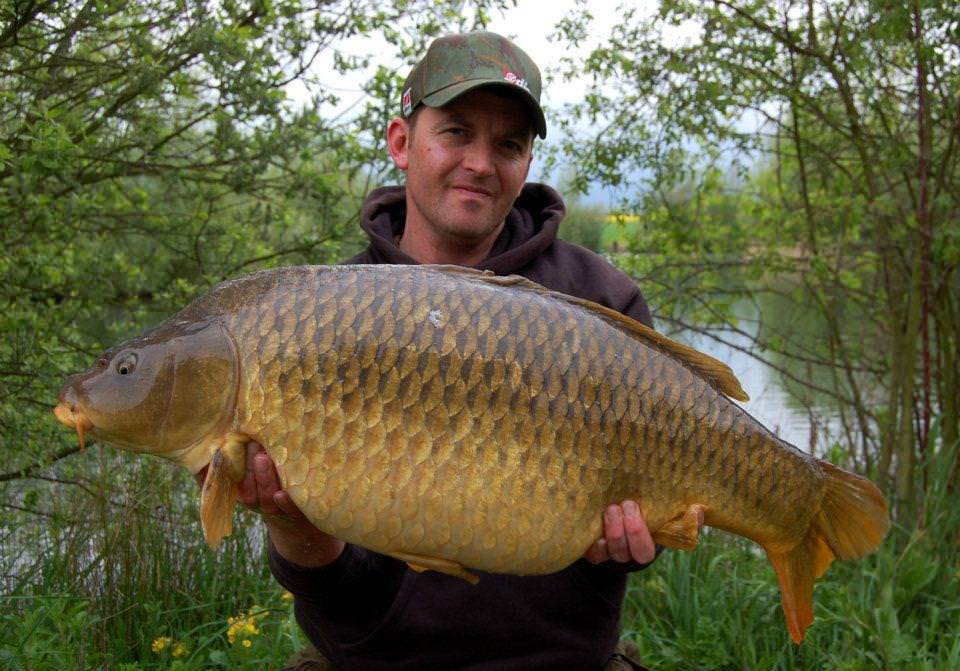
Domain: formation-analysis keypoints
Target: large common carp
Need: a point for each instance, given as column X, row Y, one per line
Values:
column 456, row 420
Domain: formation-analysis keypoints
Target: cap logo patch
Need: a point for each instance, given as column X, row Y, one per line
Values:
column 514, row 79
column 407, row 103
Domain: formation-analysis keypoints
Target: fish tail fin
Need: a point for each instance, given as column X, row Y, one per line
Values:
column 853, row 516
column 851, row 522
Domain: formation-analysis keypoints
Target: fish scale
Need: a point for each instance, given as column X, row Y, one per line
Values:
column 457, row 419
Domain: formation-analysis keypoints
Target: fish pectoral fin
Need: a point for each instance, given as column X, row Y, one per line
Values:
column 681, row 532
column 221, row 488
column 420, row 563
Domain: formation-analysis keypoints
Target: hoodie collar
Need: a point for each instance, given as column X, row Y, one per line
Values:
column 531, row 227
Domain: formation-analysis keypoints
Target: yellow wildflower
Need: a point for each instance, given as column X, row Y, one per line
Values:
column 245, row 626
column 160, row 644
column 179, row 650
column 247, row 643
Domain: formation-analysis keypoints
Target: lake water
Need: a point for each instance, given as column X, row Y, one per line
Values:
column 769, row 402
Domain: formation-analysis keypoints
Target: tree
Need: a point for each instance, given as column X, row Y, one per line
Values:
column 840, row 124
column 149, row 150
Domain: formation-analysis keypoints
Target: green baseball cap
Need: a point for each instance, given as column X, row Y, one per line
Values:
column 455, row 64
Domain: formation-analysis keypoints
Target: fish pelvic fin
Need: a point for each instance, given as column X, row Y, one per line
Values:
column 683, row 531
column 421, row 563
column 221, row 489
column 851, row 522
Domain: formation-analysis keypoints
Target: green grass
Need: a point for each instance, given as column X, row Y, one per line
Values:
column 118, row 577
column 719, row 606
column 117, row 567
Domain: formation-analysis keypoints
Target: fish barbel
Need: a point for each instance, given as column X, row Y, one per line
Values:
column 456, row 420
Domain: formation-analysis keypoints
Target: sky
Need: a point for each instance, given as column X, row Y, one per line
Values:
column 529, row 24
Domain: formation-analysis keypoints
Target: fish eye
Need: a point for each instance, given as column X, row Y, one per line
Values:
column 127, row 363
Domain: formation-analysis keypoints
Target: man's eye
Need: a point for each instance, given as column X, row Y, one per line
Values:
column 512, row 147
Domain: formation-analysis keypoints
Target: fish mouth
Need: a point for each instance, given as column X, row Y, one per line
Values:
column 69, row 416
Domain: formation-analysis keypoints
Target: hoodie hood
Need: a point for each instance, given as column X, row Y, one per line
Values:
column 531, row 227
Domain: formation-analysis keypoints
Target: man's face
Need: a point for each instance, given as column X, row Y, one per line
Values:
column 465, row 165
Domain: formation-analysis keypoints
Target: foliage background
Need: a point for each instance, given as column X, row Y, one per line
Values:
column 790, row 176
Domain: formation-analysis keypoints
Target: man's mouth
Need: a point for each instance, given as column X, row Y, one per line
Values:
column 476, row 190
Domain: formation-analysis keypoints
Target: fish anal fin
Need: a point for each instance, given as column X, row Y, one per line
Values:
column 851, row 522
column 683, row 531
column 796, row 570
column 421, row 563
column 822, row 557
column 221, row 488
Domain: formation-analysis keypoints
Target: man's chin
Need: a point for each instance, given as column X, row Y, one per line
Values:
column 472, row 228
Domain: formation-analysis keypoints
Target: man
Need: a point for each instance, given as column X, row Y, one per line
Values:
column 470, row 110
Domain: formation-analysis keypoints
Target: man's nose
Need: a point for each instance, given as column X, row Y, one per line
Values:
column 479, row 158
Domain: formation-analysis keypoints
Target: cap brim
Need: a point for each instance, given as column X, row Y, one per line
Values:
column 450, row 93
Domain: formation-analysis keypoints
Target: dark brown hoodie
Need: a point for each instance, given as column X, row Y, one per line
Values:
column 368, row 612
column 528, row 246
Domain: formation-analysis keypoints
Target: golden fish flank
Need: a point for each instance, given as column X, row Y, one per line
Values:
column 457, row 419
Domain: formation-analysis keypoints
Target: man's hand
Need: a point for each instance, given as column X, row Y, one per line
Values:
column 260, row 488
column 291, row 533
column 625, row 536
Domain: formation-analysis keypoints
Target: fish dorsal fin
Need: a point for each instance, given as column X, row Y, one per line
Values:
column 471, row 272
column 717, row 373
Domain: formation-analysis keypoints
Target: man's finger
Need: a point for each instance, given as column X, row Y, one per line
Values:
column 267, row 484
column 613, row 531
column 248, row 486
column 286, row 506
column 597, row 552
column 639, row 541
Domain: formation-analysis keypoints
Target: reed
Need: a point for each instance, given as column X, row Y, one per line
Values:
column 719, row 607
column 116, row 576
column 111, row 560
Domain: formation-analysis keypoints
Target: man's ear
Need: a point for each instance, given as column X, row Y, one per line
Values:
column 398, row 141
